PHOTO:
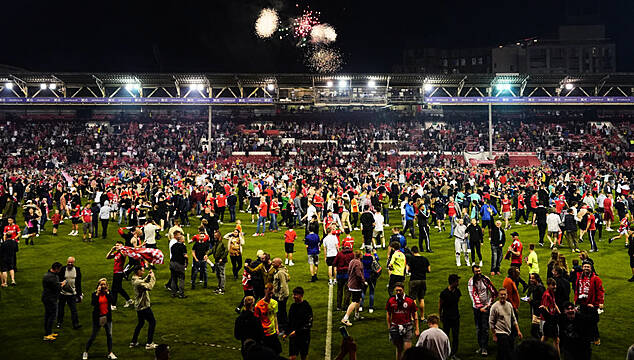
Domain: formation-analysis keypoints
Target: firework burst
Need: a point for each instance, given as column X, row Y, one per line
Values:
column 267, row 23
column 323, row 34
column 303, row 25
column 324, row 60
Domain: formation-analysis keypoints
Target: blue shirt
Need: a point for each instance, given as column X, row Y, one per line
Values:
column 312, row 240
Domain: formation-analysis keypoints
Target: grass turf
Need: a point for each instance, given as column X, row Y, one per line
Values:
column 201, row 326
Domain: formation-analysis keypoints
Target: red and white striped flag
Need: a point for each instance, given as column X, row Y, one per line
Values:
column 153, row 256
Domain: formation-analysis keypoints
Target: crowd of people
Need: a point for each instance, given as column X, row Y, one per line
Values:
column 155, row 181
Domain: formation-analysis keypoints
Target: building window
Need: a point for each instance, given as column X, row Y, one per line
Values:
column 445, row 62
column 473, row 61
column 480, row 60
column 463, row 62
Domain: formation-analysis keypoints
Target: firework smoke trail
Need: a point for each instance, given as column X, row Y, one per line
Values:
column 267, row 23
column 323, row 34
column 324, row 60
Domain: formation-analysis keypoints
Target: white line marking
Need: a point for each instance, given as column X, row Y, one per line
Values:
column 329, row 324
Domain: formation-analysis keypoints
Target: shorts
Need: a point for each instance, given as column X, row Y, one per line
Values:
column 355, row 295
column 7, row 266
column 55, row 226
column 623, row 232
column 440, row 216
column 330, row 260
column 313, row 259
column 506, row 215
column 76, row 221
column 554, row 234
column 608, row 215
column 401, row 333
column 298, row 345
column 87, row 228
column 417, row 289
column 377, row 234
column 288, row 247
column 550, row 329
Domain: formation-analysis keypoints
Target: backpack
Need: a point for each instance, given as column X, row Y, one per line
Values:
column 376, row 268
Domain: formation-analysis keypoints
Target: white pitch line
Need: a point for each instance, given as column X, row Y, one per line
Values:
column 329, row 324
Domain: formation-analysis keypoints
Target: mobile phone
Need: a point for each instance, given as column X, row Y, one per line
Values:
column 344, row 331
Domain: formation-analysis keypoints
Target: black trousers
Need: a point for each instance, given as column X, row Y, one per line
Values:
column 236, row 265
column 409, row 225
column 453, row 327
column 475, row 248
column 282, row 315
column 505, row 347
column 143, row 316
column 520, row 213
column 542, row 232
column 71, row 300
column 104, row 228
column 393, row 280
column 50, row 314
column 117, row 288
column 423, row 238
column 178, row 282
column 221, row 213
column 355, row 219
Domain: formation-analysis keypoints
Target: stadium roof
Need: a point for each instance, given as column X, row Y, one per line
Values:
column 21, row 87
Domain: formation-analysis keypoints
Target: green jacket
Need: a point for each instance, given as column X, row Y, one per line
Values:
column 219, row 251
column 142, row 288
column 280, row 283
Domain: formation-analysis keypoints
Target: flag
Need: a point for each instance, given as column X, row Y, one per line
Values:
column 68, row 178
column 153, row 256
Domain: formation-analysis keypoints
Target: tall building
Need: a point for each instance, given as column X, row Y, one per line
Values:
column 446, row 61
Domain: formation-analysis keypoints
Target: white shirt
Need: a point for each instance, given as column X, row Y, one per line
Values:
column 330, row 244
column 378, row 222
column 150, row 233
column 310, row 212
column 172, row 242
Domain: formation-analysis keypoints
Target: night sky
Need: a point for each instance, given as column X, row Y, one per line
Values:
column 218, row 36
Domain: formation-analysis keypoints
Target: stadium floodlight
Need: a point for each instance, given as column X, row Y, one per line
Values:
column 131, row 87
column 270, row 87
column 9, row 85
column 194, row 87
column 371, row 83
column 428, row 87
column 503, row 87
column 569, row 86
column 52, row 86
column 42, row 86
column 343, row 83
column 329, row 83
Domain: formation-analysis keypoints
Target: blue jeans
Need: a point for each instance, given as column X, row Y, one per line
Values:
column 261, row 220
column 199, row 267
column 386, row 215
column 232, row 213
column 452, row 220
column 496, row 258
column 370, row 287
column 273, row 223
column 121, row 214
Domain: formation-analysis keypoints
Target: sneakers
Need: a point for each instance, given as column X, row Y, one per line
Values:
column 517, row 223
column 631, row 279
column 128, row 303
column 49, row 338
column 291, row 263
column 84, row 356
column 150, row 346
column 480, row 263
column 112, row 356
column 113, row 308
column 358, row 317
column 346, row 322
column 133, row 344
column 484, row 352
column 285, row 261
column 256, row 234
column 371, row 310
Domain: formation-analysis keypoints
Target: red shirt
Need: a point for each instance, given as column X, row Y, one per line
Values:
column 452, row 209
column 607, row 204
column 12, row 231
column 221, row 200
column 534, row 201
column 591, row 222
column 517, row 247
column 290, row 236
column 318, row 201
column 403, row 314
column 200, row 238
column 559, row 206
column 103, row 304
column 348, row 241
column 520, row 202
column 86, row 215
column 275, row 207
column 263, row 208
column 119, row 261
column 506, row 205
